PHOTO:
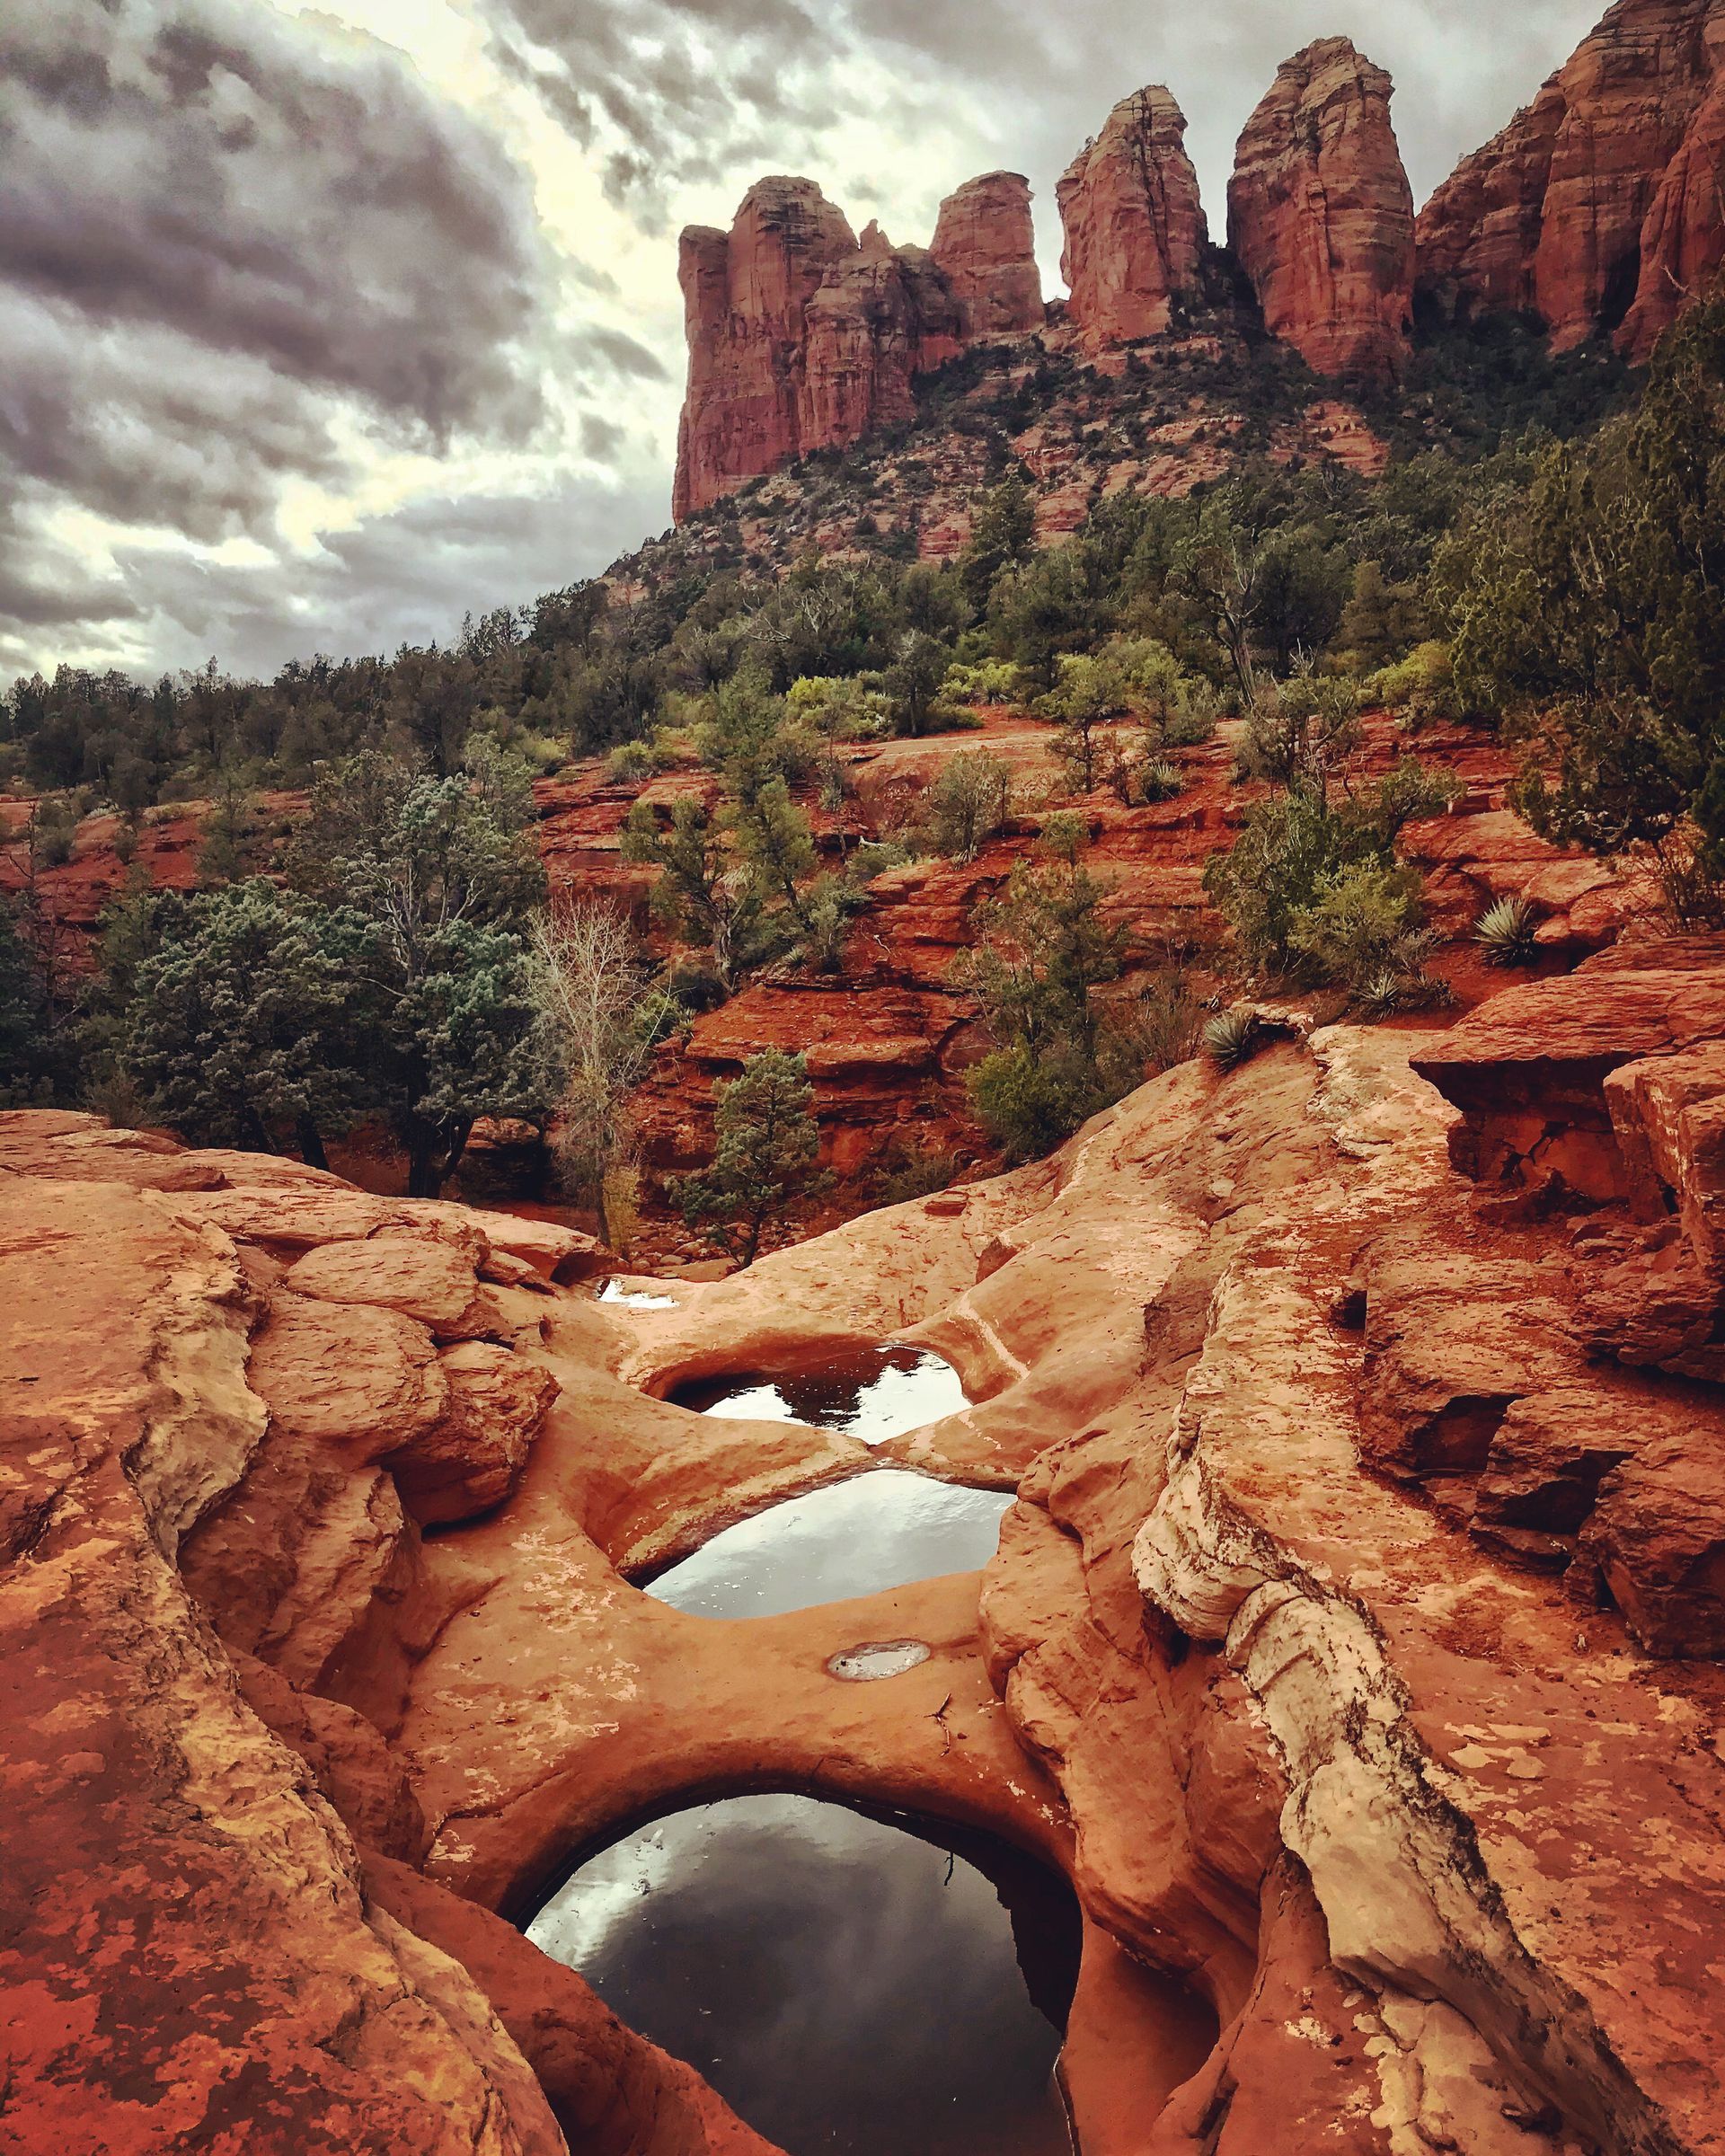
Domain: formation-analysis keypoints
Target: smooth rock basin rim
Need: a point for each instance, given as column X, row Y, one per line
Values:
column 853, row 1985
column 871, row 1393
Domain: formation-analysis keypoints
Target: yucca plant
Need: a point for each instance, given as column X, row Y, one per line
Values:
column 1505, row 933
column 1230, row 1037
column 1160, row 781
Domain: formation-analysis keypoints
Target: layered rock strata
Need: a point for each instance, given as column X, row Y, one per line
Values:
column 802, row 337
column 1135, row 225
column 1598, row 207
column 1321, row 216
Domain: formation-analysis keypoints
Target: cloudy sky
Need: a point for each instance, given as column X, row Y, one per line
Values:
column 322, row 324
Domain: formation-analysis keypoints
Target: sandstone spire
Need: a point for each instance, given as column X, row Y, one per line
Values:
column 1134, row 224
column 745, row 296
column 985, row 245
column 1321, row 216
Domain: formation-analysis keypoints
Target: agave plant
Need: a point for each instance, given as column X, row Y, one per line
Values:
column 1505, row 933
column 1160, row 781
column 1230, row 1037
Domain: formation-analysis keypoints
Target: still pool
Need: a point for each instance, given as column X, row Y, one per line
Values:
column 879, row 1530
column 851, row 1985
column 872, row 1393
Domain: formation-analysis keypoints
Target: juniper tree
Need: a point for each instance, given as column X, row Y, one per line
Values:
column 766, row 1157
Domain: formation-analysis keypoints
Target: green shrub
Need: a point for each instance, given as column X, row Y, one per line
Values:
column 1363, row 923
column 1505, row 933
column 1421, row 686
column 1030, row 1101
column 630, row 765
column 1160, row 781
column 910, row 1169
column 1193, row 720
column 1231, row 1036
column 968, row 803
column 993, row 681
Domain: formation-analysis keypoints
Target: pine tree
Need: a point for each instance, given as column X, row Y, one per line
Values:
column 767, row 1159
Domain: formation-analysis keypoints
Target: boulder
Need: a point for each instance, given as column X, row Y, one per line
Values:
column 1668, row 1115
column 366, row 1380
column 472, row 1458
column 1657, row 1536
column 1321, row 215
column 1453, row 1340
column 1548, row 1456
column 429, row 1282
column 1134, row 222
column 1528, row 1069
column 353, row 1767
column 1656, row 1310
column 63, row 1147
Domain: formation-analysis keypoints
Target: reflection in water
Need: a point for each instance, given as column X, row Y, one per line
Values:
column 852, row 1988
column 620, row 1296
column 881, row 1530
column 872, row 1393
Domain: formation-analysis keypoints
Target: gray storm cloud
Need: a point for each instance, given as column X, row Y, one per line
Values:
column 242, row 250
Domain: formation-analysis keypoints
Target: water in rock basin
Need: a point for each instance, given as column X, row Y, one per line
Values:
column 872, row 1393
column 881, row 1530
column 852, row 1988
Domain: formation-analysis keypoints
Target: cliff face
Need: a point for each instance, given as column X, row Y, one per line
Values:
column 1135, row 226
column 744, row 297
column 985, row 246
column 801, row 336
column 1321, row 216
column 1598, row 207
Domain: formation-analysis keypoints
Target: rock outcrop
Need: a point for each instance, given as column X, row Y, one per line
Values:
column 1598, row 207
column 985, row 246
column 1353, row 1645
column 1135, row 225
column 1321, row 216
column 746, row 296
column 804, row 337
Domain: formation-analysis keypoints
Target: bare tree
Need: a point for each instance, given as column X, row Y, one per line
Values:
column 590, row 985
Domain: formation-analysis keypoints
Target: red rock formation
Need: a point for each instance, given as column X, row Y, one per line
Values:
column 1599, row 206
column 1321, row 216
column 744, row 297
column 876, row 323
column 1683, row 239
column 985, row 245
column 1135, row 225
column 801, row 336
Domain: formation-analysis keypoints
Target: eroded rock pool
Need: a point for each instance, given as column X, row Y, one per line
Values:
column 851, row 1987
column 872, row 1393
column 879, row 1530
